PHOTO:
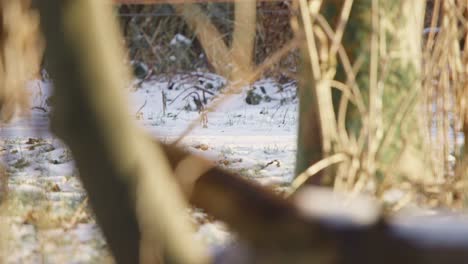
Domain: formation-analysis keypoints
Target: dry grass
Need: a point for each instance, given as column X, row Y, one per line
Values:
column 442, row 85
column 362, row 162
column 445, row 84
column 149, row 29
column 443, row 88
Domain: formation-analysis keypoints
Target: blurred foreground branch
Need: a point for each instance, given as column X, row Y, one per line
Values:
column 20, row 55
column 137, row 203
column 129, row 184
column 317, row 226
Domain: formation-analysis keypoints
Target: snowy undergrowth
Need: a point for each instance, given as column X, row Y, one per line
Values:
column 257, row 138
column 47, row 214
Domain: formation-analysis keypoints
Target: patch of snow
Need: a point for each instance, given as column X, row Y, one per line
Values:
column 393, row 196
column 85, row 232
column 213, row 234
column 239, row 136
column 61, row 169
column 179, row 39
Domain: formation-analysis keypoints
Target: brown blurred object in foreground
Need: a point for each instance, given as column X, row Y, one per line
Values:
column 20, row 53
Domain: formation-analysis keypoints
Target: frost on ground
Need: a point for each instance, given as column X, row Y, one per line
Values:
column 46, row 218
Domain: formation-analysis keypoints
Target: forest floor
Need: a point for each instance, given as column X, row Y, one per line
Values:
column 47, row 219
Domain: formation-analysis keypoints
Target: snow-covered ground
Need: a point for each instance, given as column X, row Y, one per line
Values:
column 47, row 214
column 242, row 135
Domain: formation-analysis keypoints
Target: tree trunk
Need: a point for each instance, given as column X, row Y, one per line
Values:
column 309, row 142
column 243, row 37
column 217, row 52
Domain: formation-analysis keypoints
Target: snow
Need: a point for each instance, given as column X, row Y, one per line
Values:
column 179, row 39
column 233, row 118
column 245, row 136
column 257, row 140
